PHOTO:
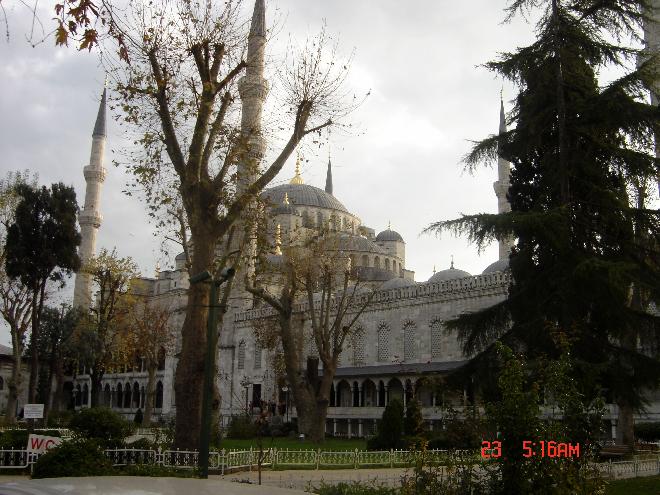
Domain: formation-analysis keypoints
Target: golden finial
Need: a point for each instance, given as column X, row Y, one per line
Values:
column 452, row 262
column 389, row 225
column 278, row 241
column 297, row 179
column 157, row 268
column 433, row 269
column 286, row 198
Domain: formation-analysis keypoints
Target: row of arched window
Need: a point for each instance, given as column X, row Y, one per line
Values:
column 258, row 352
column 121, row 397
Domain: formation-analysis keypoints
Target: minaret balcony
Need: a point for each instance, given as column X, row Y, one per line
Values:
column 92, row 218
column 94, row 174
column 252, row 87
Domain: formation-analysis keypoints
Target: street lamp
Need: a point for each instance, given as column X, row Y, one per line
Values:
column 209, row 363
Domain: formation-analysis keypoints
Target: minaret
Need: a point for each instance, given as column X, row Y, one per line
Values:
column 253, row 89
column 90, row 217
column 501, row 186
column 328, row 177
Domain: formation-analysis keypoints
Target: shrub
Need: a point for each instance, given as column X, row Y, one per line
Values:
column 60, row 419
column 73, row 458
column 103, row 425
column 413, row 423
column 389, row 428
column 155, row 471
column 355, row 488
column 242, row 427
column 142, row 444
column 649, row 432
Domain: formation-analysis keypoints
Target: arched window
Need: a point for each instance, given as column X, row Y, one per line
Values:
column 2, row 383
column 241, row 355
column 136, row 395
column 85, row 395
column 305, row 219
column 78, row 395
column 159, row 395
column 107, row 396
column 376, row 262
column 257, row 354
column 387, row 264
column 127, row 396
column 383, row 342
column 358, row 347
column 365, row 260
column 409, row 343
column 436, row 339
column 319, row 219
column 119, row 396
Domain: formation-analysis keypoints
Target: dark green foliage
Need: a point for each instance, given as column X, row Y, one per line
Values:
column 586, row 259
column 459, row 432
column 60, row 419
column 142, row 444
column 18, row 439
column 73, row 458
column 44, row 235
column 242, row 427
column 103, row 425
column 355, row 488
column 413, row 423
column 137, row 419
column 154, row 471
column 649, row 432
column 390, row 428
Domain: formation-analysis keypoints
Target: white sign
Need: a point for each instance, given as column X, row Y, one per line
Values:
column 33, row 411
column 38, row 444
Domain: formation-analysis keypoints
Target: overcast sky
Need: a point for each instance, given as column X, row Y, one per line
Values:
column 428, row 98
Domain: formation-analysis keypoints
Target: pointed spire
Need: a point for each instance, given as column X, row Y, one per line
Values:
column 451, row 267
column 389, row 225
column 286, row 198
column 433, row 269
column 157, row 271
column 297, row 179
column 258, row 24
column 502, row 116
column 278, row 240
column 99, row 126
column 328, row 178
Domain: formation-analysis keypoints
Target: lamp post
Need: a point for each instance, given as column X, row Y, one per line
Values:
column 209, row 363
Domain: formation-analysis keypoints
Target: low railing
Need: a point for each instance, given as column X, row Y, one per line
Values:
column 247, row 460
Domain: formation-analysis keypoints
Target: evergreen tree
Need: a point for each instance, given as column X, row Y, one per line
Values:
column 41, row 246
column 586, row 258
column 389, row 428
column 413, row 423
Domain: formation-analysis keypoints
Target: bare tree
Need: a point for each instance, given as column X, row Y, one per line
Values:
column 180, row 92
column 317, row 298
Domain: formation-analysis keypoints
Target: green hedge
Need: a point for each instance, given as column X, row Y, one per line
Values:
column 105, row 426
column 355, row 488
column 73, row 458
column 18, row 439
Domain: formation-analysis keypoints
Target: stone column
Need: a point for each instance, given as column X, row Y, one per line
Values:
column 350, row 430
column 334, row 427
column 360, row 397
column 360, row 434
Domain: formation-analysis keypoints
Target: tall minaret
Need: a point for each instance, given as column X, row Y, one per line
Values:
column 328, row 177
column 90, row 218
column 501, row 187
column 253, row 89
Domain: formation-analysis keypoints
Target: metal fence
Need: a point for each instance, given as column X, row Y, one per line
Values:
column 246, row 460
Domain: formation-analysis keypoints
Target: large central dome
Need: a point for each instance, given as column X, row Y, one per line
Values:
column 303, row 195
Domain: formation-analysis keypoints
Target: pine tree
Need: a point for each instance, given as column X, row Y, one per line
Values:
column 413, row 423
column 585, row 243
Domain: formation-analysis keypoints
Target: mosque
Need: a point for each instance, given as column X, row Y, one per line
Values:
column 396, row 344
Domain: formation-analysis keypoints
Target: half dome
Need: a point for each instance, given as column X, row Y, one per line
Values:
column 397, row 283
column 448, row 274
column 389, row 235
column 498, row 266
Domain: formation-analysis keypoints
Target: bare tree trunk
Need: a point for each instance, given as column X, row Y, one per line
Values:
column 151, row 393
column 59, row 386
column 96, row 388
column 188, row 381
column 16, row 378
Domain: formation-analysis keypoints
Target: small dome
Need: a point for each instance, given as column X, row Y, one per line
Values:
column 180, row 256
column 498, row 266
column 397, row 283
column 449, row 274
column 389, row 235
column 303, row 195
column 350, row 242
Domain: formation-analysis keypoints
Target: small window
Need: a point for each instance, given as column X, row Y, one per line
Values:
column 257, row 355
column 241, row 355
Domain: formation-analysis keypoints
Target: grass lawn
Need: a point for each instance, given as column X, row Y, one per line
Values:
column 649, row 485
column 295, row 444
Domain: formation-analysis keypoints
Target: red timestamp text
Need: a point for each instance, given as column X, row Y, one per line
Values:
column 542, row 448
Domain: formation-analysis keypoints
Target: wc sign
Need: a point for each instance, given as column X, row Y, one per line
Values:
column 38, row 444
